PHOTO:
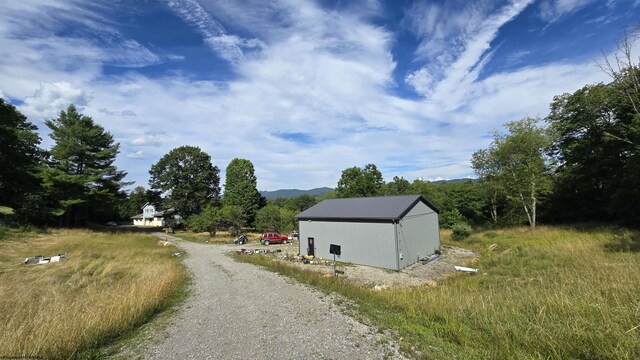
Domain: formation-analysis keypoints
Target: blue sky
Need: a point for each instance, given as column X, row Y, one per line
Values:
column 304, row 89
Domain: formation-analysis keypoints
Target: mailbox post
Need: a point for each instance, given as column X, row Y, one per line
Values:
column 335, row 250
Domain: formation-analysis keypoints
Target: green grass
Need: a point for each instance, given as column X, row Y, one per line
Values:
column 5, row 210
column 552, row 292
column 109, row 285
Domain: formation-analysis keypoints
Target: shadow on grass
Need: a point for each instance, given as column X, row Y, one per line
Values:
column 625, row 242
column 123, row 228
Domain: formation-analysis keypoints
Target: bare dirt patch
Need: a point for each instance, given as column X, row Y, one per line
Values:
column 414, row 275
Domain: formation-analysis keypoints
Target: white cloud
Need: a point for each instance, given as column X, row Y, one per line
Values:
column 442, row 29
column 50, row 98
column 552, row 10
column 147, row 140
column 229, row 47
column 463, row 49
column 138, row 155
column 117, row 113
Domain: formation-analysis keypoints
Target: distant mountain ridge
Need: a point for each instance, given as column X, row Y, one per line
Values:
column 290, row 193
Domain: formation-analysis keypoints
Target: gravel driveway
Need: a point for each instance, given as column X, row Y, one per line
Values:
column 240, row 311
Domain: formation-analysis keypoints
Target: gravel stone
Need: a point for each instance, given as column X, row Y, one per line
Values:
column 241, row 311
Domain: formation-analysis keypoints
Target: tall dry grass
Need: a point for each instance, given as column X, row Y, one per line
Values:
column 553, row 292
column 109, row 284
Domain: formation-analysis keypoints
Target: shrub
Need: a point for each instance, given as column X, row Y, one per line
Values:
column 449, row 218
column 461, row 231
column 235, row 231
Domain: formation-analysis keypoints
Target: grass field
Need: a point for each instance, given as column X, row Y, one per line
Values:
column 553, row 292
column 109, row 285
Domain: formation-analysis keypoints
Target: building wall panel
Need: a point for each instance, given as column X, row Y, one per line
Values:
column 418, row 234
column 366, row 243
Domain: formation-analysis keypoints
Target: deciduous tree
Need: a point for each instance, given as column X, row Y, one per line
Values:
column 273, row 218
column 209, row 220
column 188, row 179
column 520, row 162
column 399, row 186
column 240, row 188
column 357, row 182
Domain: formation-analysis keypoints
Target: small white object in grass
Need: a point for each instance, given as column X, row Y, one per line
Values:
column 466, row 269
column 380, row 287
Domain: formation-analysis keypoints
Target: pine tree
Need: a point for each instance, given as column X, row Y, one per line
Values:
column 81, row 178
column 19, row 155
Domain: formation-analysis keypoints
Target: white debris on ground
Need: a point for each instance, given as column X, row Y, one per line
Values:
column 45, row 260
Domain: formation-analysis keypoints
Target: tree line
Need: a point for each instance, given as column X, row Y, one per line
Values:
column 73, row 181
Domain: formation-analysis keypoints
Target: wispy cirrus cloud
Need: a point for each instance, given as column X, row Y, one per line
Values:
column 229, row 47
column 462, row 44
column 39, row 54
column 552, row 10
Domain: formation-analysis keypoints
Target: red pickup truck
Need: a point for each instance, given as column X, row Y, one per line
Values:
column 273, row 238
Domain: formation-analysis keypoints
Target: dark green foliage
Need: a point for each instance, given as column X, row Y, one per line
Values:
column 432, row 192
column 212, row 219
column 296, row 204
column 233, row 219
column 81, row 180
column 209, row 220
column 269, row 218
column 466, row 197
column 598, row 152
column 273, row 218
column 240, row 188
column 399, row 186
column 457, row 201
column 187, row 177
column 460, row 231
column 35, row 209
column 517, row 165
column 449, row 218
column 301, row 203
column 136, row 199
column 19, row 156
column 357, row 182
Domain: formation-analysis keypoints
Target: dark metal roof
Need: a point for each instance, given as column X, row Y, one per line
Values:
column 369, row 208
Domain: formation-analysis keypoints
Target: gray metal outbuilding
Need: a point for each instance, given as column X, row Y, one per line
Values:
column 386, row 231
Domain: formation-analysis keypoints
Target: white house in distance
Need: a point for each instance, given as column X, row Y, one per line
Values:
column 389, row 232
column 151, row 217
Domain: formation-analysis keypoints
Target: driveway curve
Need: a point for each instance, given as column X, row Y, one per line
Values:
column 241, row 311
